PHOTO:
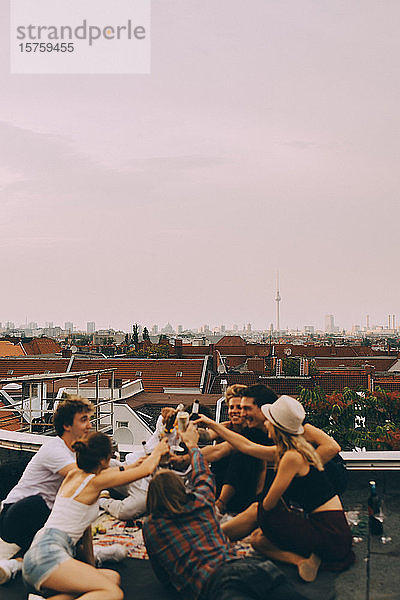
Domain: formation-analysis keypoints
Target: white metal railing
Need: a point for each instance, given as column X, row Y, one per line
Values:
column 379, row 460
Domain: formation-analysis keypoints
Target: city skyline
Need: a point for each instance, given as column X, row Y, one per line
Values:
column 264, row 139
column 329, row 324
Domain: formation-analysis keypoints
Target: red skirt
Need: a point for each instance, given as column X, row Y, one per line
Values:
column 325, row 533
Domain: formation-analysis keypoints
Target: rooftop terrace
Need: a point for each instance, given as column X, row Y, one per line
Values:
column 373, row 577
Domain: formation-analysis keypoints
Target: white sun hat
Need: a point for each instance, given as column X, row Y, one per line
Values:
column 286, row 413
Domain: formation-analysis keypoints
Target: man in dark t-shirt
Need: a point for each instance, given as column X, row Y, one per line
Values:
column 241, row 477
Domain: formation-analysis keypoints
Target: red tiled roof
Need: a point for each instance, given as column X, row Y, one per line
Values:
column 234, row 361
column 230, row 340
column 156, row 374
column 231, row 378
column 257, row 365
column 41, row 346
column 329, row 382
column 313, row 351
column 9, row 349
column 389, row 385
column 379, row 363
column 336, row 382
column 8, row 420
column 172, row 399
column 189, row 350
column 31, row 366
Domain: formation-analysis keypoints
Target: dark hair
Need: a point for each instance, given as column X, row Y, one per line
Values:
column 91, row 450
column 166, row 494
column 261, row 394
column 67, row 409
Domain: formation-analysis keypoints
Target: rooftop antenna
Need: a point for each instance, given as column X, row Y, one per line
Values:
column 277, row 300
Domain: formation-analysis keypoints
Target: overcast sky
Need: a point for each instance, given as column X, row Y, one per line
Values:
column 265, row 138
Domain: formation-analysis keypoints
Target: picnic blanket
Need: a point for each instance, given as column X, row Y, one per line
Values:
column 107, row 530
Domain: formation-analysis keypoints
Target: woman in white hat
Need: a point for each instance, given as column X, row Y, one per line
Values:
column 322, row 534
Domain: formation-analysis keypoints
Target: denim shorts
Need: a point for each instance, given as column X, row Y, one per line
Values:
column 50, row 548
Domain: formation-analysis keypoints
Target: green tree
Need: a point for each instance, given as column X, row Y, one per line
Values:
column 80, row 339
column 135, row 334
column 291, row 367
column 146, row 335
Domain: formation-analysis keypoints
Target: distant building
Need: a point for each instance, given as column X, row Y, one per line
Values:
column 180, row 329
column 168, row 329
column 68, row 326
column 52, row 332
column 329, row 324
column 154, row 330
column 309, row 329
column 90, row 327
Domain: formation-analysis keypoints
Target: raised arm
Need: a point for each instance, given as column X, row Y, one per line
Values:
column 113, row 476
column 215, row 453
column 323, row 443
column 201, row 477
column 239, row 441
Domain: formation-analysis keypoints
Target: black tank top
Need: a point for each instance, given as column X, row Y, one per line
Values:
column 310, row 491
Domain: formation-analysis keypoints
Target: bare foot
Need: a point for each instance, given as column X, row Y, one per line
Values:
column 308, row 568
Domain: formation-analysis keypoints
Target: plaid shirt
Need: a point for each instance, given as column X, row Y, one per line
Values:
column 185, row 549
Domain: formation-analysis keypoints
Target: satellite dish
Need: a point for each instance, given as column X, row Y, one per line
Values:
column 288, row 351
column 74, row 349
column 123, row 435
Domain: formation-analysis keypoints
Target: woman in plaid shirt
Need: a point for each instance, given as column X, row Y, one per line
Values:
column 187, row 548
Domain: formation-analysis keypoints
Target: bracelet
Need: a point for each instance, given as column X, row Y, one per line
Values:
column 121, row 468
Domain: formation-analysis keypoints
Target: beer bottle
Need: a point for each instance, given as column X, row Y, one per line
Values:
column 375, row 514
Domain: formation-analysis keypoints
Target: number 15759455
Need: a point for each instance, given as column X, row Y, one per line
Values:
column 46, row 47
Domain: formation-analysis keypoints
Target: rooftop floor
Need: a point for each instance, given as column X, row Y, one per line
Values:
column 373, row 577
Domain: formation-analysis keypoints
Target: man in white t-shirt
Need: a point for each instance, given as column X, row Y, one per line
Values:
column 28, row 505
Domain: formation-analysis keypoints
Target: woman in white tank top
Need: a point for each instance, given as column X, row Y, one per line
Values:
column 49, row 565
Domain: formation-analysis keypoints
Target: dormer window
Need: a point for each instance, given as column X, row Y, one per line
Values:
column 138, row 373
column 179, row 373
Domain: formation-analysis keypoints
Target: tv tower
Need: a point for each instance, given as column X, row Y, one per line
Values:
column 277, row 300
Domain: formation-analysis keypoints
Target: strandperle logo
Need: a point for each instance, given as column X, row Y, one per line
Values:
column 85, row 31
column 80, row 36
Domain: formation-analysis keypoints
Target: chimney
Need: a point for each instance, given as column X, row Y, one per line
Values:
column 178, row 347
